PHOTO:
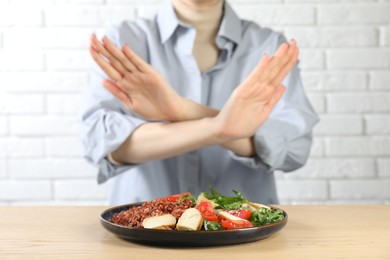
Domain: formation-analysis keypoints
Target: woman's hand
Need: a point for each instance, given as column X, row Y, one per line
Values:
column 253, row 100
column 135, row 83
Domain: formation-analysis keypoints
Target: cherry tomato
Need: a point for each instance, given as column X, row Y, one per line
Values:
column 207, row 211
column 233, row 224
column 174, row 198
column 241, row 213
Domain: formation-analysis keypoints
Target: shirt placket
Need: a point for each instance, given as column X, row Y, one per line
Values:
column 191, row 160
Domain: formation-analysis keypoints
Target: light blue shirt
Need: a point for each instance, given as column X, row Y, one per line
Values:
column 282, row 143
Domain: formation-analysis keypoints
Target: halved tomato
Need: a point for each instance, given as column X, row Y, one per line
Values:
column 207, row 211
column 241, row 213
column 174, row 198
column 233, row 224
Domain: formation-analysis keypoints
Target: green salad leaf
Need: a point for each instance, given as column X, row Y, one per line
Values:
column 211, row 225
column 264, row 216
column 225, row 202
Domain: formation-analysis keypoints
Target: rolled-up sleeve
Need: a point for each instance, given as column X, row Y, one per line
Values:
column 284, row 141
column 105, row 122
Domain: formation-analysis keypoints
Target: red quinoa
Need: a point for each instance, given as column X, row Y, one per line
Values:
column 133, row 217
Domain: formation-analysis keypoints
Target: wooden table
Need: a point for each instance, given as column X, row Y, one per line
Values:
column 313, row 232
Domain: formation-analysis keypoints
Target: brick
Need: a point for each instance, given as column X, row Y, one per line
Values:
column 48, row 82
column 334, row 80
column 377, row 124
column 25, row 190
column 15, row 16
column 68, row 60
column 305, row 36
column 3, row 99
column 358, row 102
column 47, row 38
column 120, row 2
column 21, row 147
column 80, row 2
column 3, row 125
column 385, row 36
column 63, row 104
column 347, row 36
column 354, row 14
column 80, row 190
column 383, row 165
column 302, row 189
column 329, row 1
column 147, row 11
column 335, row 202
column 25, row 104
column 333, row 37
column 358, row 59
column 49, row 168
column 3, row 168
column 380, row 80
column 114, row 15
column 53, row 2
column 360, row 189
column 71, row 16
column 339, row 125
column 27, row 3
column 317, row 148
column 335, row 168
column 1, row 40
column 63, row 147
column 43, row 125
column 357, row 146
column 317, row 100
column 32, row 61
column 277, row 14
column 311, row 59
column 81, row 16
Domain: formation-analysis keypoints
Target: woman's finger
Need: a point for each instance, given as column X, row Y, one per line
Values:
column 282, row 66
column 118, row 93
column 118, row 54
column 286, row 69
column 278, row 62
column 103, row 51
column 110, row 71
column 258, row 70
column 135, row 59
column 277, row 95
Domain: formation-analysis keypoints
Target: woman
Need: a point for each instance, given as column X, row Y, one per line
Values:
column 192, row 99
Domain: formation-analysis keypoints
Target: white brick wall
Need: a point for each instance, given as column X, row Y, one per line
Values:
column 345, row 65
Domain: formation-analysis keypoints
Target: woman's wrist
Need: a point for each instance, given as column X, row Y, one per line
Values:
column 192, row 110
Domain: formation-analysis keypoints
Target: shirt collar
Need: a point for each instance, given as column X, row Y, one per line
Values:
column 231, row 25
column 167, row 22
column 230, row 28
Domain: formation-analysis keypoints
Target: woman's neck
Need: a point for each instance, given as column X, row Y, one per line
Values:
column 204, row 16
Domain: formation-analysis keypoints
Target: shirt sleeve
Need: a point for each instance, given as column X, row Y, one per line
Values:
column 283, row 142
column 105, row 122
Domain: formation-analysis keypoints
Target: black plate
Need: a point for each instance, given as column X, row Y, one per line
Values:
column 187, row 238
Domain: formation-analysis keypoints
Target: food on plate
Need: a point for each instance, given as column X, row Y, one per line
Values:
column 133, row 217
column 210, row 211
column 229, row 221
column 191, row 219
column 166, row 221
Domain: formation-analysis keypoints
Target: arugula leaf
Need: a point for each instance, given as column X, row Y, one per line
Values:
column 264, row 216
column 225, row 202
column 211, row 225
